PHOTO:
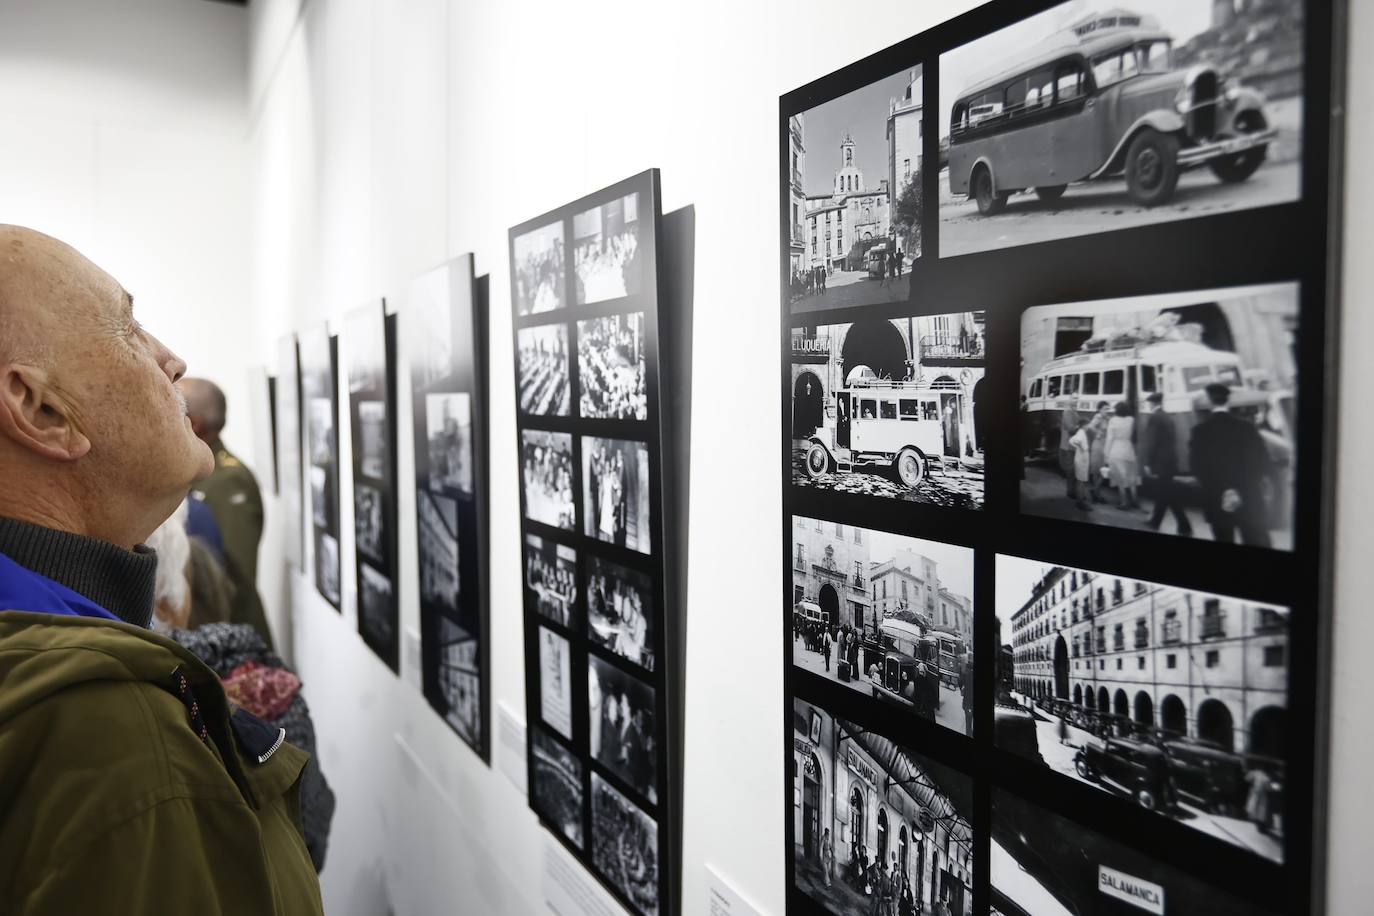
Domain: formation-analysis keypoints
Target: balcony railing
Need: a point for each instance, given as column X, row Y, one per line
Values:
column 1142, row 639
column 796, row 178
column 1173, row 633
column 951, row 346
column 1213, row 626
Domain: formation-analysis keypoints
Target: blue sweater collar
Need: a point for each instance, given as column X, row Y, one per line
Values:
column 23, row 589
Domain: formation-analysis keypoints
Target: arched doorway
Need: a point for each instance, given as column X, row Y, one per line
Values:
column 902, row 851
column 856, row 822
column 811, row 806
column 808, row 405
column 1061, row 668
column 1214, row 724
column 1269, row 732
column 1121, row 705
column 882, row 836
column 830, row 603
column 877, row 344
column 1078, row 694
column 1173, row 718
column 979, row 409
column 1090, row 698
column 1144, row 709
column 1102, row 700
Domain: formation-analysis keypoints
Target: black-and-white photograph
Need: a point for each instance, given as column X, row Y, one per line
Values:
column 892, row 408
column 376, row 618
column 856, row 195
column 610, row 367
column 551, row 579
column 547, row 468
column 555, row 682
column 320, row 432
column 367, row 521
column 620, row 611
column 538, row 274
column 459, row 680
column 438, row 546
column 556, row 785
column 877, row 827
column 607, row 255
column 1088, row 118
column 375, row 444
column 448, row 419
column 320, row 495
column 544, row 384
column 622, row 721
column 625, row 846
column 885, row 615
column 1170, row 699
column 1042, row 864
column 327, row 565
column 615, row 492
column 1173, row 413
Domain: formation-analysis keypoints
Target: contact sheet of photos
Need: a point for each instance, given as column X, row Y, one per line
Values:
column 371, row 412
column 1056, row 398
column 444, row 336
column 602, row 691
column 319, row 361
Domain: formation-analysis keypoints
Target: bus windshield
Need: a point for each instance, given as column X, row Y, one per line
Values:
column 1124, row 63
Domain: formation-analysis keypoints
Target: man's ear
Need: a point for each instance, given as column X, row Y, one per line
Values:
column 35, row 417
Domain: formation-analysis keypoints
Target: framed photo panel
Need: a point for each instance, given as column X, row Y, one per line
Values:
column 603, row 694
column 1057, row 326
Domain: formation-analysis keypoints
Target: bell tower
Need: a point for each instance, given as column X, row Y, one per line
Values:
column 850, row 178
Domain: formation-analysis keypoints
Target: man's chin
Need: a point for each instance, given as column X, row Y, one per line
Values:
column 205, row 460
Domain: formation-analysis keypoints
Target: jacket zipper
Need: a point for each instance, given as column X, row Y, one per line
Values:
column 281, row 737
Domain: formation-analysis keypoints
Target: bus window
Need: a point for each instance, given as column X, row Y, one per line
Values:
column 1071, row 384
column 1115, row 67
column 911, row 409
column 1154, row 56
column 958, row 119
column 1114, row 381
column 1147, row 379
column 868, row 409
column 1092, row 383
column 1053, row 391
column 1195, row 378
column 1070, row 81
column 1036, row 387
column 930, row 410
column 1029, row 92
column 1229, row 375
column 887, row 410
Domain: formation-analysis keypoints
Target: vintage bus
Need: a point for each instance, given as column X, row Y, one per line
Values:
column 1101, row 99
column 1129, row 368
column 910, row 656
column 888, row 424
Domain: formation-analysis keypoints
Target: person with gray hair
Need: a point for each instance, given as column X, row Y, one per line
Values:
column 143, row 791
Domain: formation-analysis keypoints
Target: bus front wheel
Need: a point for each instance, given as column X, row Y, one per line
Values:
column 909, row 467
column 990, row 202
column 817, row 461
column 1152, row 167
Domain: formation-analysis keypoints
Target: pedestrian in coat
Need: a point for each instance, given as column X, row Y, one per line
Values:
column 1230, row 461
column 1080, row 442
column 1158, row 452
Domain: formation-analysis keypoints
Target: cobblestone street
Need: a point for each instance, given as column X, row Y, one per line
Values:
column 955, row 488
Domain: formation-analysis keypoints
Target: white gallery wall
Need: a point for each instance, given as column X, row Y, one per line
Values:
column 250, row 173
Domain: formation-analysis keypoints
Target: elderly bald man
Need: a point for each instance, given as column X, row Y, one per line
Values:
column 127, row 785
column 232, row 496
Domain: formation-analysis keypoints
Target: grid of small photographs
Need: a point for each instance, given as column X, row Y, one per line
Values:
column 370, row 405
column 444, row 343
column 320, row 398
column 585, row 301
column 1054, row 307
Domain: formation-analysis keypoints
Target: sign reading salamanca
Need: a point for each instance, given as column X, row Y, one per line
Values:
column 1144, row 894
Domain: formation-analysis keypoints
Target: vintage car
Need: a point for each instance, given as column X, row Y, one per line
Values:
column 910, row 682
column 1102, row 99
column 1211, row 778
column 1013, row 730
column 1139, row 769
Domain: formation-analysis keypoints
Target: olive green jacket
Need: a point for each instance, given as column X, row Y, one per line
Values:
column 110, row 803
column 231, row 491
